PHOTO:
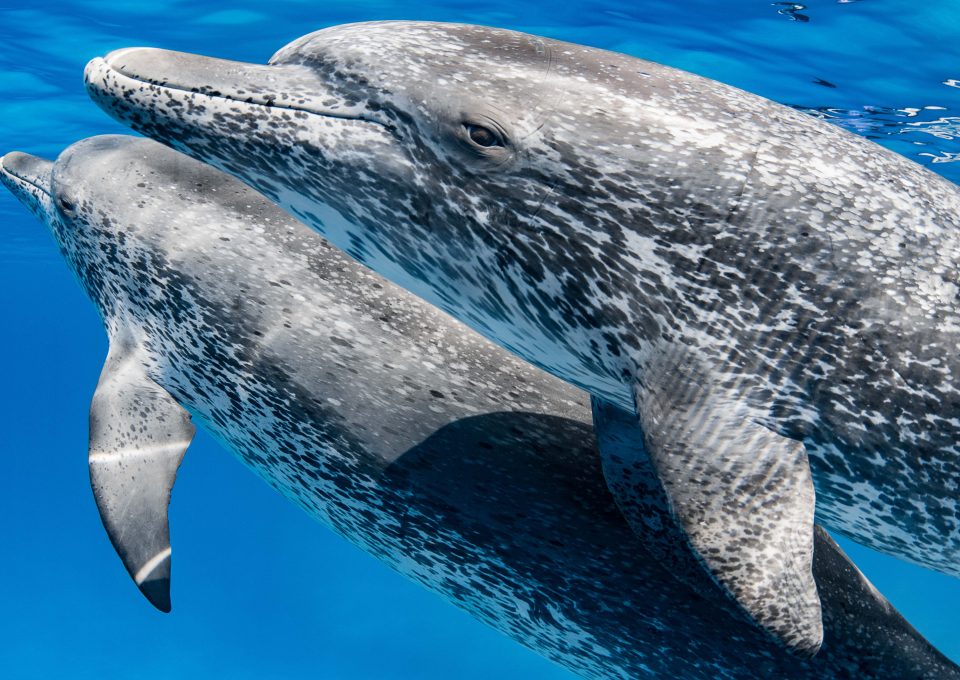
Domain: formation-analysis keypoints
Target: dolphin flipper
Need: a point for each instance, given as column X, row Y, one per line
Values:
column 735, row 493
column 138, row 435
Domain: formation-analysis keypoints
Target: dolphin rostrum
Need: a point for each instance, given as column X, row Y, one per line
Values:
column 755, row 286
column 462, row 467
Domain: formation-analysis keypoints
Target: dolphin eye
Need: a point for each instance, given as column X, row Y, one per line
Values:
column 482, row 136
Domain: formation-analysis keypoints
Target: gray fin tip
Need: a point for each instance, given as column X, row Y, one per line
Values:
column 153, row 580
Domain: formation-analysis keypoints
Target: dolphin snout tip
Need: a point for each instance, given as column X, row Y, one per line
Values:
column 11, row 160
column 92, row 65
column 7, row 159
column 116, row 58
column 117, row 61
column 95, row 74
column 5, row 176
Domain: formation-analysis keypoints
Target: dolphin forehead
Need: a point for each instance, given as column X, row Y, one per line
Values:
column 451, row 69
column 92, row 183
column 85, row 164
column 429, row 46
column 584, row 95
column 485, row 56
column 109, row 169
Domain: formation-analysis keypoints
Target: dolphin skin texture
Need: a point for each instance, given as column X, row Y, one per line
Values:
column 772, row 298
column 462, row 467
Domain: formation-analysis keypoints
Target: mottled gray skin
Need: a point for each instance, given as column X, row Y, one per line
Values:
column 637, row 228
column 463, row 468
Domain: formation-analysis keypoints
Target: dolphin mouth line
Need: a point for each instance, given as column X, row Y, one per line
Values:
column 103, row 63
column 22, row 179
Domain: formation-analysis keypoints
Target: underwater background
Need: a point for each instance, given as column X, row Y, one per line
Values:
column 259, row 589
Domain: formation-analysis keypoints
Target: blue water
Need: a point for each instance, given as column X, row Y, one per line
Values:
column 260, row 590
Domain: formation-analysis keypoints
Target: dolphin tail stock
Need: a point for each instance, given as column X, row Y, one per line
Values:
column 138, row 436
column 715, row 493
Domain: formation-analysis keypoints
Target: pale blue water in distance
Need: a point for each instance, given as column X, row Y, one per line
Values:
column 259, row 589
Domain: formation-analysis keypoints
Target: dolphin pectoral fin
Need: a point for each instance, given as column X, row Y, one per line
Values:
column 726, row 495
column 138, row 435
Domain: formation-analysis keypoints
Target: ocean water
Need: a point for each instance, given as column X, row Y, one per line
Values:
column 259, row 589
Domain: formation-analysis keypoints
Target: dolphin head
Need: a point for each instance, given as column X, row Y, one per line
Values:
column 91, row 198
column 57, row 197
column 457, row 160
column 78, row 197
column 357, row 128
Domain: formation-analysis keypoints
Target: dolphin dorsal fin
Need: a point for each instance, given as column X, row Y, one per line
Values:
column 138, row 435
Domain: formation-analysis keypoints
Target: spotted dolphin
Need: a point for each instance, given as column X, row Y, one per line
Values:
column 764, row 292
column 438, row 452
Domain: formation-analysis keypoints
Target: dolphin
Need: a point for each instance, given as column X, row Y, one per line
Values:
column 763, row 292
column 440, row 453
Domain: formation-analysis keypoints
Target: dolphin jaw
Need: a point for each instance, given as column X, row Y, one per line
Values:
column 113, row 75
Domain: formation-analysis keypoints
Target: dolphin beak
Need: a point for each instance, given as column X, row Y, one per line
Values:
column 29, row 179
column 245, row 119
column 158, row 82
